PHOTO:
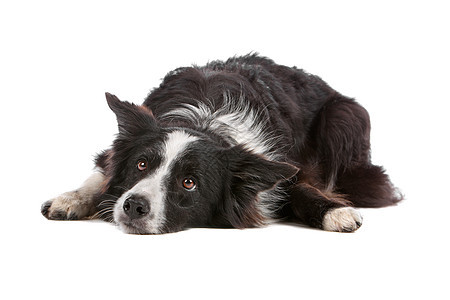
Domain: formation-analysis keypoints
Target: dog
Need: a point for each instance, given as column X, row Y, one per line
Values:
column 234, row 144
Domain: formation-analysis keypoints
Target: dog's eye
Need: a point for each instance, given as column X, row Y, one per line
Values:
column 189, row 184
column 142, row 165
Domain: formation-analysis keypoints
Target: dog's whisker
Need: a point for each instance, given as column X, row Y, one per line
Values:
column 103, row 214
column 105, row 211
column 105, row 202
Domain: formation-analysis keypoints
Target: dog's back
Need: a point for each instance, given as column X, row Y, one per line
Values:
column 251, row 99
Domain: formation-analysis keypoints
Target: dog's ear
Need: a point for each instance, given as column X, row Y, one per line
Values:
column 250, row 174
column 131, row 118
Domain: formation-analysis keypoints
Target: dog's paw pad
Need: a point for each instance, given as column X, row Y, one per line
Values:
column 63, row 207
column 343, row 219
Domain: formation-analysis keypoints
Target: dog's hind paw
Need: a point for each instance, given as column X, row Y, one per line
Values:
column 343, row 219
column 68, row 206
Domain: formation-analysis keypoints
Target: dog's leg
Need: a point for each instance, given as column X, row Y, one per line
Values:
column 328, row 212
column 77, row 204
column 342, row 138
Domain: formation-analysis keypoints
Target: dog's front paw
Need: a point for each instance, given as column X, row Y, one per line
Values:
column 68, row 206
column 343, row 219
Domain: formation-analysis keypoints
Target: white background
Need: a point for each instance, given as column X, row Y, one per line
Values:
column 59, row 57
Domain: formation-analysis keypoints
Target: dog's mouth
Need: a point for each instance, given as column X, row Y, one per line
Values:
column 131, row 228
column 136, row 226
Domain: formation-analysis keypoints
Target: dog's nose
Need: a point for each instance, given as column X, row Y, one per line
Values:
column 136, row 207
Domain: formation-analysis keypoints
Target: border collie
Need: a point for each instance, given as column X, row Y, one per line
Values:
column 240, row 143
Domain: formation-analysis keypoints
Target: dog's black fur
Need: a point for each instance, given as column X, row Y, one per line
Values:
column 318, row 161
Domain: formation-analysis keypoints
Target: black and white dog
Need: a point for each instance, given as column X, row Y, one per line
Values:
column 240, row 143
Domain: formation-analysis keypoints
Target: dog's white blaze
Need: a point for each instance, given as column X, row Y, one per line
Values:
column 153, row 187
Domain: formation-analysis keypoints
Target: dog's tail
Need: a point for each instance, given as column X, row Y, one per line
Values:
column 368, row 186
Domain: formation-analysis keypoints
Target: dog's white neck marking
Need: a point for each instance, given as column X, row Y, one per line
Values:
column 235, row 121
column 153, row 187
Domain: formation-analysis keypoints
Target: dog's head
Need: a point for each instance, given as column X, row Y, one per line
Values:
column 171, row 178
